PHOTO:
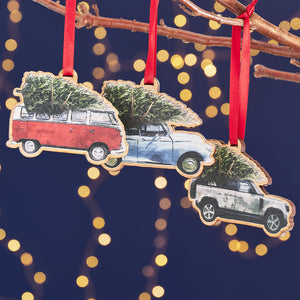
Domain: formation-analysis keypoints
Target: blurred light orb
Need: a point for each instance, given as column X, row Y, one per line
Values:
column 180, row 20
column 161, row 260
column 285, row 237
column 98, row 223
column 104, row 239
column 39, row 277
column 177, row 61
column 82, row 281
column 285, row 25
column 162, row 55
column 160, row 182
column 99, row 49
column 159, row 241
column 206, row 62
column 211, row 111
column 100, row 33
column 86, row 5
column 233, row 245
column 26, row 259
column 27, row 296
column 261, row 250
column 185, row 95
column 231, row 229
column 215, row 92
column 92, row 261
column 165, row 203
column 13, row 5
column 145, row 296
column 93, row 173
column 14, row 245
column 274, row 42
column 210, row 70
column 8, row 65
column 190, row 59
column 15, row 16
column 214, row 25
column 11, row 45
column 98, row 73
column 187, row 184
column 243, row 247
column 160, row 224
column 158, row 291
column 219, row 7
column 185, row 202
column 254, row 52
column 225, row 109
column 2, row 234
column 209, row 54
column 199, row 47
column 84, row 191
column 295, row 23
column 183, row 78
column 139, row 65
column 148, row 271
column 88, row 85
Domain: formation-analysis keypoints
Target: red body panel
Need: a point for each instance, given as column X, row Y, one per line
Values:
column 74, row 136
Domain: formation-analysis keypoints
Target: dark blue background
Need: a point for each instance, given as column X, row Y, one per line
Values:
column 41, row 208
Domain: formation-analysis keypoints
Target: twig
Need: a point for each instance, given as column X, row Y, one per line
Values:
column 90, row 20
column 262, row 26
column 147, row 112
column 262, row 71
column 67, row 98
column 230, row 167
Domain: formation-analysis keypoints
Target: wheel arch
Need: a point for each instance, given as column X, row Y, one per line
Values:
column 206, row 199
column 98, row 144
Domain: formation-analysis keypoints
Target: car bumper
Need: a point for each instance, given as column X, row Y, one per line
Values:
column 119, row 151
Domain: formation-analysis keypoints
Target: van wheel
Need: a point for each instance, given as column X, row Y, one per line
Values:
column 30, row 146
column 98, row 152
column 273, row 221
column 209, row 210
column 189, row 163
column 113, row 162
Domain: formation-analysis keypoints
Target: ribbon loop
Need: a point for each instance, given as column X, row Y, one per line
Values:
column 239, row 77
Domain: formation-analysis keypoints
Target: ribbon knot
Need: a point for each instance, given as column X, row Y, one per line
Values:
column 239, row 77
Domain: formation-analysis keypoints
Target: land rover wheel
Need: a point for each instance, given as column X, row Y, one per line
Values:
column 113, row 162
column 30, row 146
column 189, row 163
column 273, row 221
column 209, row 211
column 98, row 152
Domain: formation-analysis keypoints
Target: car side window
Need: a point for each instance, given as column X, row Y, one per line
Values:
column 78, row 116
column 61, row 117
column 132, row 131
column 231, row 185
column 97, row 118
column 244, row 187
column 43, row 116
column 152, row 130
column 25, row 114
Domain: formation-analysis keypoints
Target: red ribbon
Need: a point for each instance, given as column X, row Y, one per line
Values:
column 69, row 38
column 239, row 77
column 150, row 71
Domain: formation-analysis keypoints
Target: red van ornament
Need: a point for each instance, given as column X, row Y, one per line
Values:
column 58, row 114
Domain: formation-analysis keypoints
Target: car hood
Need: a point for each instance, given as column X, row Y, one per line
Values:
column 187, row 137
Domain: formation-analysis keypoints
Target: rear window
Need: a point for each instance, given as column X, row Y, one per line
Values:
column 78, row 116
column 98, row 118
column 42, row 117
column 61, row 117
column 25, row 115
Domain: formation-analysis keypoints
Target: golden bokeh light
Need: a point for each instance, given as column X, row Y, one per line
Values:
column 27, row 296
column 112, row 58
column 209, row 54
column 2, row 234
column 225, row 107
column 159, row 242
column 139, row 65
column 199, row 47
column 92, row 261
column 231, row 229
column 214, row 25
column 185, row 95
column 211, row 111
column 215, row 92
column 39, row 277
column 26, row 259
column 285, row 237
column 233, row 245
column 210, row 70
column 161, row 260
column 295, row 23
column 285, row 25
column 114, row 67
column 243, row 247
column 187, row 184
column 158, row 291
column 206, row 62
column 11, row 45
column 8, row 65
column 185, row 202
column 93, row 173
column 86, row 5
column 177, row 61
column 162, row 55
column 254, row 52
column 190, row 59
column 100, row 33
column 145, row 296
column 82, row 281
column 98, row 73
column 160, row 224
column 261, row 250
column 15, row 16
column 13, row 5
column 104, row 239
column 88, row 85
column 10, row 103
column 148, row 271
column 84, row 191
column 183, row 78
column 14, row 245
column 180, row 20
column 273, row 42
column 99, row 49
column 98, row 223
column 160, row 182
column 219, row 7
column 165, row 203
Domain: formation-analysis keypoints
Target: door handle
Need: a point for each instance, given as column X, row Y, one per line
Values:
column 92, row 130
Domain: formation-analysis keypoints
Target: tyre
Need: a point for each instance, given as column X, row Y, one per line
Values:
column 30, row 146
column 209, row 210
column 273, row 221
column 189, row 163
column 113, row 162
column 98, row 152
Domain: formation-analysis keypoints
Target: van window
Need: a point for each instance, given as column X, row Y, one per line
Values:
column 42, row 116
column 98, row 117
column 25, row 115
column 113, row 119
column 61, row 117
column 78, row 116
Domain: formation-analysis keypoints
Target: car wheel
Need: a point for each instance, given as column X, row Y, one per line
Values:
column 209, row 211
column 189, row 163
column 98, row 152
column 273, row 221
column 30, row 146
column 113, row 162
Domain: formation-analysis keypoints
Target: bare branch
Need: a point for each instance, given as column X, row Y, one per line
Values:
column 262, row 71
column 264, row 27
column 88, row 20
column 295, row 62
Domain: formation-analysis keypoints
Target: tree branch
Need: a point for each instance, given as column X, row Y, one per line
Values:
column 262, row 71
column 89, row 20
column 262, row 26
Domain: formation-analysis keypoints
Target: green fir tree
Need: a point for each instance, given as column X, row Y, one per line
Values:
column 139, row 106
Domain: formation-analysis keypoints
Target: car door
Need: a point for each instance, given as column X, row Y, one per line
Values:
column 132, row 137
column 227, row 196
column 155, row 145
column 247, row 200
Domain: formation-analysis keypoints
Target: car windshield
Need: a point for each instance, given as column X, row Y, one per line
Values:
column 152, row 130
